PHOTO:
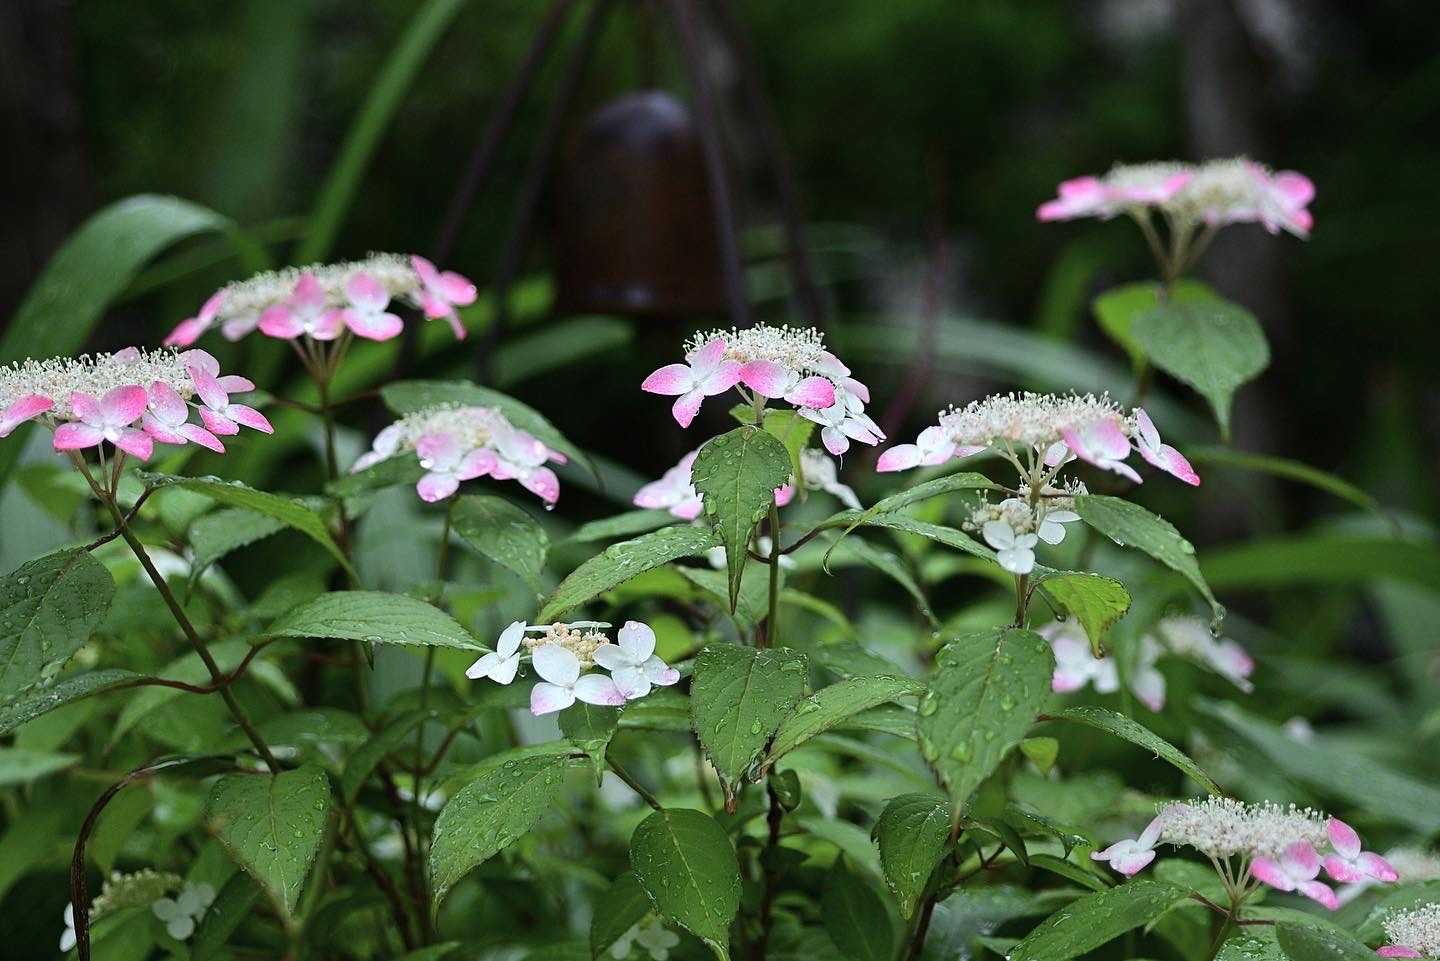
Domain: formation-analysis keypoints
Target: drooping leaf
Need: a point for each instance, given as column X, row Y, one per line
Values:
column 408, row 396
column 558, row 344
column 963, row 918
column 1096, row 918
column 738, row 698
column 41, row 700
column 620, row 562
column 855, row 917
column 686, row 863
column 1141, row 736
column 488, row 814
column 290, row 512
column 1094, row 600
column 625, row 905
column 737, row 474
column 1210, row 344
column 833, row 705
column 912, row 833
column 1307, row 943
column 1131, row 525
column 48, row 608
column 502, row 532
column 272, row 826
column 984, row 694
column 375, row 617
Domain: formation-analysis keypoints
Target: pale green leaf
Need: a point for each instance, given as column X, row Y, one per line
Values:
column 687, row 865
column 1094, row 600
column 1210, row 344
column 627, row 524
column 620, row 562
column 41, row 700
column 502, row 532
column 1141, row 736
column 272, row 826
column 20, row 765
column 48, row 608
column 625, row 905
column 217, row 534
column 738, row 698
column 1097, row 918
column 1306, row 943
column 913, row 833
column 1131, row 525
column 375, row 617
column 855, row 917
column 834, row 705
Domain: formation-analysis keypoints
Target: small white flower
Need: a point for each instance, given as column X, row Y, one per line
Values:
column 562, row 683
column 500, row 664
column 67, row 937
column 633, row 663
column 820, row 474
column 1051, row 530
column 657, row 940
column 184, row 911
column 1015, row 552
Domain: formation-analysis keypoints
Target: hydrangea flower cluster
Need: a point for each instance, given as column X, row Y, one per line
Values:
column 120, row 890
column 1076, row 665
column 559, row 653
column 674, row 492
column 323, row 301
column 1282, row 846
column 1213, row 194
column 455, row 443
column 130, row 399
column 771, row 363
column 1038, row 434
column 1413, row 934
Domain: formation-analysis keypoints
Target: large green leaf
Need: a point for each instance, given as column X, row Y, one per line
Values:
column 502, row 532
column 1118, row 308
column 738, row 698
column 1379, row 790
column 42, row 700
column 912, row 833
column 1210, row 344
column 737, row 474
column 855, row 917
column 833, row 705
column 1131, row 525
column 290, row 512
column 408, row 396
column 625, row 905
column 1141, row 736
column 1302, row 942
column 620, row 562
column 984, row 694
column 490, row 813
column 1094, row 600
column 220, row 532
column 272, row 826
column 92, row 269
column 687, row 865
column 1096, row 918
column 48, row 608
column 375, row 617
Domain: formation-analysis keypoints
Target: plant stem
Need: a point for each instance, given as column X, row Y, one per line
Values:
column 768, row 856
column 772, row 623
column 634, row 785
column 217, row 676
column 1021, row 583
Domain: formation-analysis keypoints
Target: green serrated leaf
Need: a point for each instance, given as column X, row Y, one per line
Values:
column 1096, row 918
column 48, row 608
column 686, row 863
column 217, row 534
column 1141, row 736
column 1210, row 344
column 502, row 532
column 626, row 905
column 41, row 700
column 287, row 510
column 792, row 430
column 913, row 834
column 272, row 826
column 591, row 727
column 375, row 617
column 1094, row 600
column 738, row 698
column 833, row 705
column 753, row 605
column 620, row 562
column 855, row 917
column 736, row 474
column 1131, row 525
column 627, row 524
column 984, row 694
column 490, row 813
column 1117, row 309
column 1305, row 943
column 1252, row 943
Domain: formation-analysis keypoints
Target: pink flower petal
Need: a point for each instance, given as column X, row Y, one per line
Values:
column 835, row 441
column 1172, row 462
column 543, row 483
column 136, row 443
column 372, row 326
column 456, row 288
column 367, row 293
column 169, row 407
column 546, row 698
column 122, row 406
column 475, row 464
column 1397, row 951
column 1343, row 838
column 784, row 494
column 1269, row 872
column 162, row 432
column 330, row 325
column 218, row 423
column 185, row 333
column 249, row 417
column 25, row 408
column 721, row 378
column 279, row 321
column 1319, row 891
column 235, row 384
column 685, row 409
column 199, row 435
column 708, row 355
column 599, row 689
column 436, row 486
column 898, row 458
column 86, row 408
column 1300, row 860
column 670, row 379
column 77, row 436
column 689, row 510
column 816, row 392
column 1377, row 867
column 308, row 295
column 767, row 378
column 429, row 276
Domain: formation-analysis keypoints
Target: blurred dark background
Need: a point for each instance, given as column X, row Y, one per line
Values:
column 922, row 135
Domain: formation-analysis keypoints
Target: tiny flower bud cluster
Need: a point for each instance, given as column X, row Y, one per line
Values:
column 1413, row 934
column 131, row 399
column 1282, row 846
column 773, row 363
column 455, row 443
column 560, row 652
column 1215, row 193
column 674, row 492
column 323, row 301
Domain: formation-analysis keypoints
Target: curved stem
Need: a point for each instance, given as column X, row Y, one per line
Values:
column 634, row 785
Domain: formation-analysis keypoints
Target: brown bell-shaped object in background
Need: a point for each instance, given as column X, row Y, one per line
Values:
column 635, row 230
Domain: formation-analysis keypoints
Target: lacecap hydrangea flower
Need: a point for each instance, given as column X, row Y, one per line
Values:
column 323, row 301
column 771, row 363
column 1213, row 194
column 130, row 399
column 561, row 654
column 1282, row 846
column 1413, row 934
column 455, row 443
